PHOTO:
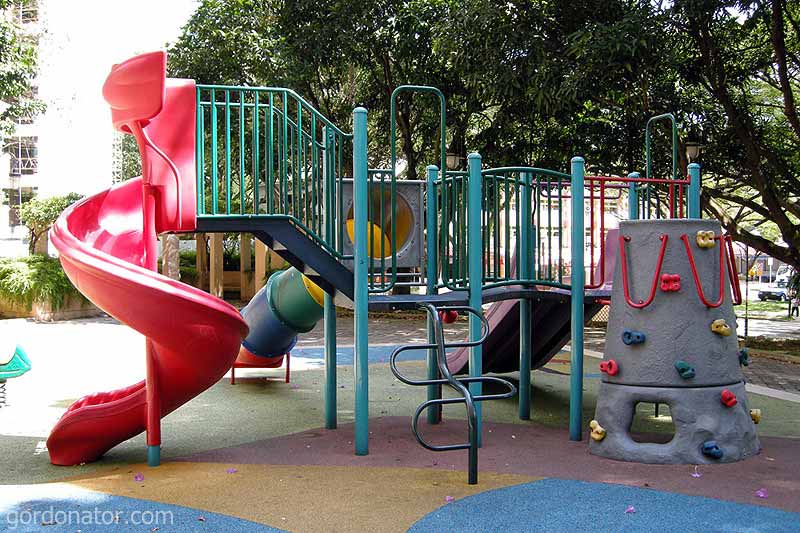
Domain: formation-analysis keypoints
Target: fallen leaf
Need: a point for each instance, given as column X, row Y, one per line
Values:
column 138, row 477
column 762, row 493
column 696, row 474
column 630, row 509
column 231, row 470
column 449, row 499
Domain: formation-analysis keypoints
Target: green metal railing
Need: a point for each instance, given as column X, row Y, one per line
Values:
column 521, row 220
column 265, row 151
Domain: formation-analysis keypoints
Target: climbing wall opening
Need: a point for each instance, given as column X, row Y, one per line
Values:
column 652, row 422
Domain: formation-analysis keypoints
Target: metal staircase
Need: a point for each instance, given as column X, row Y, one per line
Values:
column 457, row 384
column 298, row 248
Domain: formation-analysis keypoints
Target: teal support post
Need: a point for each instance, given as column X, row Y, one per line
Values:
column 633, row 197
column 694, row 190
column 329, row 309
column 524, row 303
column 577, row 295
column 361, row 282
column 329, row 314
column 432, row 277
column 474, row 253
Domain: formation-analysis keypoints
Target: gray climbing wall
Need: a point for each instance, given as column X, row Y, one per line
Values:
column 682, row 362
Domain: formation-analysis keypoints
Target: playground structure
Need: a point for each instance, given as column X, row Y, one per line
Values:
column 671, row 340
column 12, row 367
column 263, row 161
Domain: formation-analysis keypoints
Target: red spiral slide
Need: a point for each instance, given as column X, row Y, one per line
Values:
column 107, row 246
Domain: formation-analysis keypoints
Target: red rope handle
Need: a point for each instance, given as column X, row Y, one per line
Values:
column 722, row 267
column 624, row 264
column 733, row 274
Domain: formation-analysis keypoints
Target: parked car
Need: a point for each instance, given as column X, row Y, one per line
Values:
column 784, row 274
column 773, row 293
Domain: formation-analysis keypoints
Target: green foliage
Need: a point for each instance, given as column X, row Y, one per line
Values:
column 536, row 82
column 17, row 72
column 35, row 278
column 40, row 213
column 188, row 266
column 130, row 163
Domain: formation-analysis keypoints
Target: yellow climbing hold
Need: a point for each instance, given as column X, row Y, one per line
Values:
column 598, row 432
column 755, row 414
column 705, row 239
column 720, row 327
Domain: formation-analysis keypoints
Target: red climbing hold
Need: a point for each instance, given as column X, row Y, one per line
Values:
column 610, row 367
column 448, row 317
column 728, row 398
column 670, row 282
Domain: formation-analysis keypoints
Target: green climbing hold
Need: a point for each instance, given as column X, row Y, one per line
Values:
column 685, row 370
column 16, row 366
column 744, row 357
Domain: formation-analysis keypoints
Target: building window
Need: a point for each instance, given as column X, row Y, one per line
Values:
column 26, row 11
column 24, row 155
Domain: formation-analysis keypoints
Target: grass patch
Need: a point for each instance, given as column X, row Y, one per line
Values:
column 763, row 307
column 35, row 278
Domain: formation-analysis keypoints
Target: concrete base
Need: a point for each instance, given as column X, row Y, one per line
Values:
column 697, row 413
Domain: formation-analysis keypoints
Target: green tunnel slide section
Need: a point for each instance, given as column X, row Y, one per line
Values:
column 16, row 366
column 289, row 304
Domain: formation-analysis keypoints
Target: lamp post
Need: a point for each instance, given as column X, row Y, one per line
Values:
column 694, row 145
column 454, row 161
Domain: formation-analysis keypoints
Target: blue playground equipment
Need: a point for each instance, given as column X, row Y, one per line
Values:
column 270, row 164
column 14, row 367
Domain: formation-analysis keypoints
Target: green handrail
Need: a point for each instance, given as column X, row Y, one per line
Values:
column 272, row 141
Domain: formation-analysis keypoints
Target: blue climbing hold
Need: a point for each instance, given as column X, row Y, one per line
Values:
column 632, row 337
column 712, row 449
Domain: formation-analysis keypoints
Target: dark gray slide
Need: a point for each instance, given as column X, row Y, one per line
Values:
column 550, row 323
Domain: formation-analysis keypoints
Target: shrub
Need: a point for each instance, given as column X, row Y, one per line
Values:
column 40, row 213
column 36, row 278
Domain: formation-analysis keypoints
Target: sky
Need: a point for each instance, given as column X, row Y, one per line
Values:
column 80, row 41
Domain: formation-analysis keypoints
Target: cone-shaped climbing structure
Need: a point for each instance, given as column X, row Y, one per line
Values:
column 672, row 340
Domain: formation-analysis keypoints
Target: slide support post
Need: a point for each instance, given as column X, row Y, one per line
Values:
column 524, row 303
column 474, row 253
column 431, row 275
column 576, row 301
column 361, row 288
column 329, row 309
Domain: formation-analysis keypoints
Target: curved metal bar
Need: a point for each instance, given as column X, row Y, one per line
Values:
column 459, row 385
column 696, row 277
column 140, row 133
column 624, row 265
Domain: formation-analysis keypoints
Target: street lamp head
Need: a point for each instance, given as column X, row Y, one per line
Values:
column 693, row 145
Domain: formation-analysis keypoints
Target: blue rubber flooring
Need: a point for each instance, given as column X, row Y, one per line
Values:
column 59, row 508
column 344, row 354
column 555, row 505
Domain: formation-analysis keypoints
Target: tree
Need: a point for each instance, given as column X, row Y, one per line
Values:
column 39, row 214
column 744, row 62
column 538, row 81
column 17, row 72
